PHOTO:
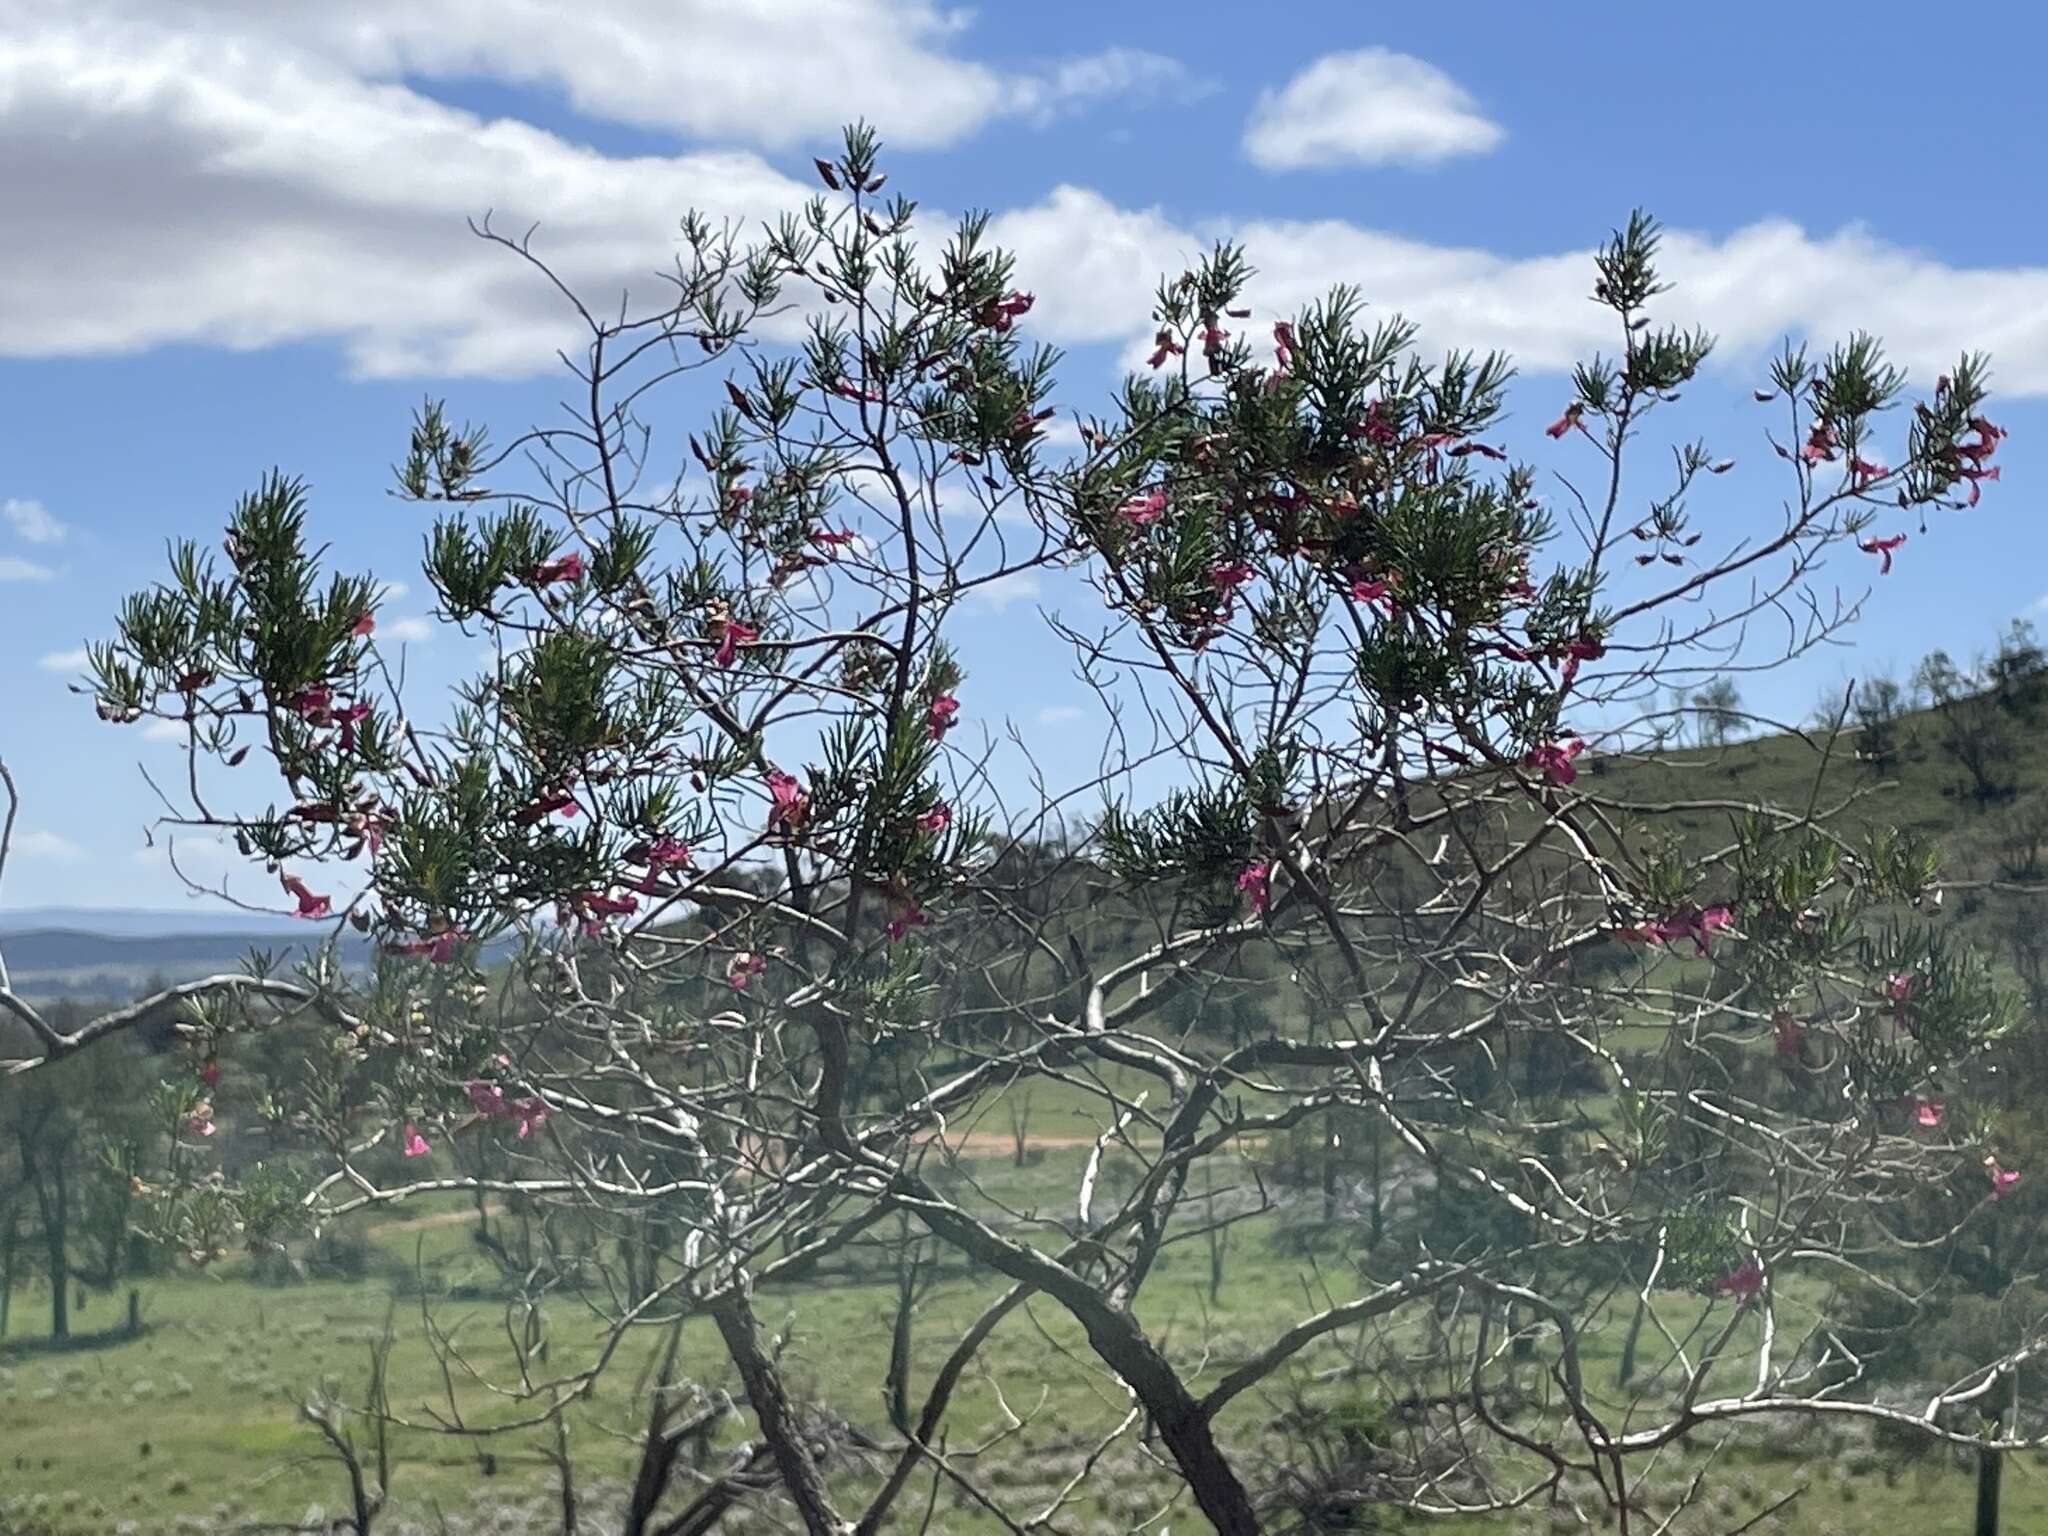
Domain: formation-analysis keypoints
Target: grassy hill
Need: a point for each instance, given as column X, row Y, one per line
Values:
column 194, row 1420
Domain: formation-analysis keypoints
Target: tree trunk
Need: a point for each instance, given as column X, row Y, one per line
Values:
column 1330, row 1147
column 53, row 1202
column 1123, row 1347
column 1379, row 1220
column 778, row 1420
column 8, row 1232
column 1628, row 1345
column 1990, row 1465
column 1180, row 1422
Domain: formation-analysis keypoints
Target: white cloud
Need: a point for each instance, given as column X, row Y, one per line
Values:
column 287, row 198
column 31, row 520
column 166, row 730
column 774, row 73
column 14, row 568
column 37, row 843
column 414, row 630
column 69, row 663
column 296, row 187
column 997, row 596
column 1059, row 714
column 1060, row 432
column 1371, row 106
column 1113, row 72
column 295, row 190
column 1095, row 266
column 392, row 591
column 194, row 853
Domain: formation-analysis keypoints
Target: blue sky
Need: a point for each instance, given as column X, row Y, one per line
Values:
column 237, row 241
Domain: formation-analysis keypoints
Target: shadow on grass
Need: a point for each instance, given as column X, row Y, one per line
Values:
column 77, row 1343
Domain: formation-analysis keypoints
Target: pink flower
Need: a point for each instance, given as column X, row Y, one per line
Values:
column 936, row 819
column 1001, row 312
column 1976, row 477
column 415, row 1143
column 1253, row 883
column 1228, row 575
column 665, row 851
column 1985, row 445
column 1283, row 344
column 550, row 803
column 1863, row 471
column 829, row 539
column 529, row 1114
column 1790, row 1033
column 939, row 719
column 1686, row 923
column 2002, row 1178
column 1567, row 421
column 1820, row 444
column 1883, row 549
column 346, row 719
column 904, row 915
column 731, row 635
column 595, row 906
column 200, row 1120
column 1585, row 648
column 787, row 801
column 438, row 946
column 1366, row 587
column 314, row 703
column 309, row 904
column 1927, row 1113
column 745, row 966
column 1144, row 508
column 1741, row 1282
column 488, row 1098
column 1554, row 759
column 209, row 1072
column 363, row 625
column 1164, row 346
column 567, row 567
column 1377, row 427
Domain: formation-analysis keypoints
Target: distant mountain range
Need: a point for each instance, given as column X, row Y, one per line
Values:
column 101, row 955
column 112, row 954
column 138, row 923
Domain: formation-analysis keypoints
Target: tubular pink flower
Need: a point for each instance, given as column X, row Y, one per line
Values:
column 567, row 567
column 1741, row 1282
column 310, row 905
column 1253, row 883
column 788, row 802
column 488, row 1098
column 2001, row 1177
column 1554, row 759
column 1883, row 549
column 731, row 635
column 1144, row 508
